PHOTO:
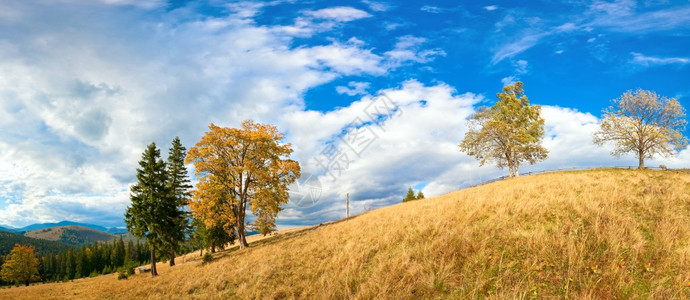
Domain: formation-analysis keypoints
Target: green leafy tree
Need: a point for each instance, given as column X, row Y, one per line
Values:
column 508, row 133
column 179, row 185
column 410, row 195
column 420, row 195
column 643, row 123
column 147, row 217
column 21, row 265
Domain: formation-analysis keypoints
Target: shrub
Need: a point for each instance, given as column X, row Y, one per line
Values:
column 122, row 273
column 663, row 167
column 207, row 257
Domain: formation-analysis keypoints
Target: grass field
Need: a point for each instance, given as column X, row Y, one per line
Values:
column 598, row 234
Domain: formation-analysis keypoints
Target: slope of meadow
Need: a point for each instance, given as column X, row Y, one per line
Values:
column 584, row 234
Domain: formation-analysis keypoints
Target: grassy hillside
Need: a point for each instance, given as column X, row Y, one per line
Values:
column 583, row 235
column 73, row 235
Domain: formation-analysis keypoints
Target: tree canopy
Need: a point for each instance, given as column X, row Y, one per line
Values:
column 643, row 123
column 508, row 133
column 239, row 169
column 21, row 265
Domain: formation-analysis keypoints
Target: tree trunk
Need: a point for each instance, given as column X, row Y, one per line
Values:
column 27, row 283
column 640, row 156
column 240, row 235
column 153, row 263
column 517, row 172
column 172, row 256
column 510, row 168
column 201, row 252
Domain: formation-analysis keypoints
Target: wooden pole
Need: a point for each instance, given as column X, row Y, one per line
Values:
column 347, row 205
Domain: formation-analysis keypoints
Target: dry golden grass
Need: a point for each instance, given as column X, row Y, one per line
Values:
column 599, row 234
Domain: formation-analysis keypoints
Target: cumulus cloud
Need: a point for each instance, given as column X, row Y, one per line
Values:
column 77, row 106
column 380, row 157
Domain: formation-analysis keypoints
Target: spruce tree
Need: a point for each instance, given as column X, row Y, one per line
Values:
column 420, row 195
column 147, row 217
column 178, row 185
column 410, row 195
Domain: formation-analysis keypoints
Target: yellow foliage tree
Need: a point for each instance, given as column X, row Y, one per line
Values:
column 508, row 133
column 21, row 265
column 643, row 123
column 239, row 169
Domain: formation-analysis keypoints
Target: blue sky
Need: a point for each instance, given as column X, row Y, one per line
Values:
column 85, row 85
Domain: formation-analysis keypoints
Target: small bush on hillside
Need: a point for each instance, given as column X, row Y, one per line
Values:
column 663, row 167
column 122, row 273
column 207, row 258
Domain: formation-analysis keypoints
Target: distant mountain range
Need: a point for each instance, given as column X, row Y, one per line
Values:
column 39, row 226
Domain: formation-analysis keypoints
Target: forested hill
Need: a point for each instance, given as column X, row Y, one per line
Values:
column 8, row 240
column 74, row 235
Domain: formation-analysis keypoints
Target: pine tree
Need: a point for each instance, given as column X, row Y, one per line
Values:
column 148, row 215
column 117, row 256
column 179, row 185
column 420, row 195
column 410, row 195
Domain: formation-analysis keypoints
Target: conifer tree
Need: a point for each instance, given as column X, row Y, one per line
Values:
column 179, row 185
column 420, row 195
column 147, row 217
column 410, row 195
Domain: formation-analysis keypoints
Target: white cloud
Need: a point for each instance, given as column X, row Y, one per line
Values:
column 643, row 60
column 339, row 14
column 353, row 88
column 491, row 7
column 376, row 5
column 518, row 31
column 431, row 9
column 621, row 16
column 408, row 49
column 508, row 80
column 511, row 49
column 81, row 96
column 414, row 145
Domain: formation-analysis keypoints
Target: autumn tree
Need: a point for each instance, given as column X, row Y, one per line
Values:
column 509, row 133
column 643, row 123
column 147, row 216
column 178, row 185
column 20, row 266
column 242, row 169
